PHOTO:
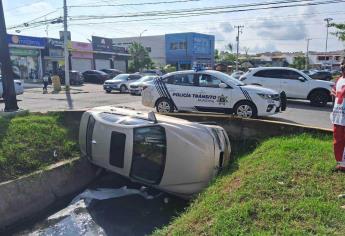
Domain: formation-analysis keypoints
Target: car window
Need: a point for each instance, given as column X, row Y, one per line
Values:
column 121, row 77
column 269, row 74
column 181, row 79
column 293, row 75
column 117, row 149
column 89, row 133
column 134, row 77
column 208, row 81
column 149, row 153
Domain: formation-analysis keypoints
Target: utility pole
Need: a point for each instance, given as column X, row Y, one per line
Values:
column 327, row 26
column 65, row 42
column 307, row 55
column 9, row 93
column 239, row 31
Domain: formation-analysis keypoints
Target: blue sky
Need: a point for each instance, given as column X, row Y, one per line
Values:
column 264, row 30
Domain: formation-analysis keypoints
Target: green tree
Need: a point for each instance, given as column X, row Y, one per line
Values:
column 216, row 54
column 169, row 68
column 299, row 62
column 140, row 58
column 340, row 30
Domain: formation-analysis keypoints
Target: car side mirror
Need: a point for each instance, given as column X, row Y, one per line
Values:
column 302, row 79
column 223, row 85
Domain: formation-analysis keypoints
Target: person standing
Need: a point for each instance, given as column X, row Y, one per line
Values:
column 338, row 119
column 45, row 83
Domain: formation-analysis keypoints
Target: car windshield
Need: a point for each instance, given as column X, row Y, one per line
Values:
column 124, row 120
column 146, row 78
column 227, row 78
column 121, row 77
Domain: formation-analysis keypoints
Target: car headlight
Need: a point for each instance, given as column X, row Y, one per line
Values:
column 266, row 96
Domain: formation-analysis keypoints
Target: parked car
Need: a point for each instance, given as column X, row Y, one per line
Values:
column 294, row 83
column 120, row 82
column 18, row 86
column 112, row 72
column 136, row 87
column 211, row 91
column 237, row 74
column 75, row 77
column 152, row 149
column 95, row 76
column 152, row 72
column 321, row 75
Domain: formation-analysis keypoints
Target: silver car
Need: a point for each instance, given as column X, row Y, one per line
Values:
column 170, row 154
column 136, row 87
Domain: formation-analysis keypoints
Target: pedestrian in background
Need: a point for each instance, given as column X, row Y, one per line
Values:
column 45, row 82
column 338, row 119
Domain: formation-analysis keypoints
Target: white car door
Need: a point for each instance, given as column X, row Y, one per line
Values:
column 209, row 96
column 294, row 84
column 269, row 78
column 180, row 89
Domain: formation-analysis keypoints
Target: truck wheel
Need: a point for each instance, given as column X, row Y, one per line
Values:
column 245, row 109
column 319, row 98
column 164, row 106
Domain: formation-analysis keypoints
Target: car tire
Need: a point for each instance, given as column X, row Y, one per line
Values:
column 164, row 105
column 319, row 98
column 123, row 89
column 108, row 91
column 245, row 109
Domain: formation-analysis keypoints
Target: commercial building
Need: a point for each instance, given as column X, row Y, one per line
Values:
column 109, row 56
column 26, row 56
column 187, row 49
column 53, row 55
column 181, row 50
column 155, row 45
column 81, row 56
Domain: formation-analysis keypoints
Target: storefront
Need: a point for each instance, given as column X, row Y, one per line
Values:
column 81, row 56
column 26, row 56
column 53, row 55
column 108, row 56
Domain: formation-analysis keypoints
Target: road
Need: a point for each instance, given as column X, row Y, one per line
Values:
column 90, row 95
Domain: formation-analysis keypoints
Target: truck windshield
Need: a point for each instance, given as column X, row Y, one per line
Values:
column 149, row 153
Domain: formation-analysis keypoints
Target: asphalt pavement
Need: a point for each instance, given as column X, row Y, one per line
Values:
column 92, row 95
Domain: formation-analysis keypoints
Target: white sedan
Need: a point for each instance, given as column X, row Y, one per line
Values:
column 170, row 154
column 19, row 87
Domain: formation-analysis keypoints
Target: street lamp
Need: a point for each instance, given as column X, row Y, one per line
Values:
column 327, row 26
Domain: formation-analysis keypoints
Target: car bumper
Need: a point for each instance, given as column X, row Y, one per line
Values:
column 135, row 91
column 270, row 108
column 111, row 87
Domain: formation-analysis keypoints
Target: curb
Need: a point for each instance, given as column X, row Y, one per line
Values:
column 28, row 196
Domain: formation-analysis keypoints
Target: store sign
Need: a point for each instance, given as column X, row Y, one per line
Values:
column 106, row 45
column 55, row 43
column 82, row 50
column 23, row 52
column 25, row 41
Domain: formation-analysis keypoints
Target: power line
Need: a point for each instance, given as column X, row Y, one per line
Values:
column 133, row 4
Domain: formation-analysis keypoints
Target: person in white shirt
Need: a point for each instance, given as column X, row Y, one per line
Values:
column 338, row 119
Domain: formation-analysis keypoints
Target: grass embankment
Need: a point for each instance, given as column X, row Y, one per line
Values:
column 287, row 186
column 32, row 142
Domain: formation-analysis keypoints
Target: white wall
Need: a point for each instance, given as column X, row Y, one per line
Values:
column 156, row 43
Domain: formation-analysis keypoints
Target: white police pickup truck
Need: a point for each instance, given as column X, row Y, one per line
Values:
column 211, row 91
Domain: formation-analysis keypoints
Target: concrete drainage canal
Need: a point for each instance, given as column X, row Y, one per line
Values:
column 111, row 205
column 76, row 198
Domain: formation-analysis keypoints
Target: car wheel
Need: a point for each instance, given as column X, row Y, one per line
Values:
column 108, row 91
column 164, row 106
column 319, row 98
column 245, row 109
column 123, row 89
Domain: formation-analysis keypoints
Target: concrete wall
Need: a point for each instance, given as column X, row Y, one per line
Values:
column 24, row 198
column 251, row 129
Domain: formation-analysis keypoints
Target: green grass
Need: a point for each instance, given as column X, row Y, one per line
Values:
column 287, row 186
column 28, row 143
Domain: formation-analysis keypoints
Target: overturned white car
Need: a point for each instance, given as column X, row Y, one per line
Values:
column 170, row 154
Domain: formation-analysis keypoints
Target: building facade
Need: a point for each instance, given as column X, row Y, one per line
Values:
column 109, row 56
column 155, row 45
column 187, row 49
column 81, row 56
column 26, row 56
